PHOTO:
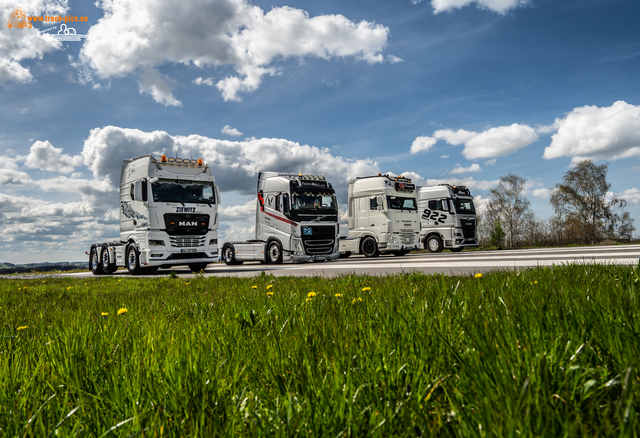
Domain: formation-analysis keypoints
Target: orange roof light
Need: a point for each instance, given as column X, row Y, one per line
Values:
column 163, row 159
column 199, row 161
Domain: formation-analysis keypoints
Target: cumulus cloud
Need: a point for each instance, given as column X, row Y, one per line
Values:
column 159, row 86
column 632, row 196
column 475, row 167
column 201, row 81
column 481, row 204
column 492, row 143
column 245, row 211
column 228, row 130
column 541, row 193
column 17, row 45
column 136, row 35
column 422, row 144
column 10, row 173
column 44, row 156
column 499, row 6
column 597, row 133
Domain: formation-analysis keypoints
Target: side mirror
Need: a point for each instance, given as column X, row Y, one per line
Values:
column 380, row 203
column 218, row 199
column 138, row 191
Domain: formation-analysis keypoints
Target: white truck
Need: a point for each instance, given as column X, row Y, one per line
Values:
column 383, row 217
column 168, row 217
column 447, row 218
column 296, row 220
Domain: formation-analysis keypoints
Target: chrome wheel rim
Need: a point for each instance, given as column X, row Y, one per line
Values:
column 132, row 257
column 94, row 260
column 228, row 254
column 433, row 244
column 105, row 259
column 274, row 252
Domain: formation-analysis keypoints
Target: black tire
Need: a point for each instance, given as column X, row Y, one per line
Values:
column 107, row 267
column 344, row 255
column 94, row 262
column 369, row 247
column 132, row 260
column 434, row 243
column 197, row 267
column 455, row 249
column 274, row 253
column 229, row 256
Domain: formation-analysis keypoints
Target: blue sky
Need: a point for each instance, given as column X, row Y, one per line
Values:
column 442, row 90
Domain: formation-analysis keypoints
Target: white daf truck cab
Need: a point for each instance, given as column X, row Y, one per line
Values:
column 383, row 217
column 296, row 220
column 447, row 218
column 168, row 217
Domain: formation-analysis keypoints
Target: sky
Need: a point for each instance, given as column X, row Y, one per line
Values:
column 442, row 91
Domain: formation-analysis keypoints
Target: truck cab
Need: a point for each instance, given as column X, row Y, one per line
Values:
column 447, row 218
column 296, row 220
column 382, row 215
column 168, row 216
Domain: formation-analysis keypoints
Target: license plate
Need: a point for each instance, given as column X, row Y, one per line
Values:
column 319, row 258
column 307, row 231
column 188, row 250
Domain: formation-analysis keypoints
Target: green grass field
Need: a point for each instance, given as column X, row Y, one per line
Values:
column 544, row 352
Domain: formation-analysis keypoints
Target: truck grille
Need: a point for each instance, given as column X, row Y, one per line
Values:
column 468, row 228
column 320, row 241
column 408, row 239
column 186, row 224
column 187, row 241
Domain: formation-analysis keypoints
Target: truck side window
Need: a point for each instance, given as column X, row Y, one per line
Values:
column 131, row 193
column 435, row 204
column 285, row 203
column 279, row 203
column 373, row 204
column 144, row 190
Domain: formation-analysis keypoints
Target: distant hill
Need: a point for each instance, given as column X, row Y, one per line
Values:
column 12, row 268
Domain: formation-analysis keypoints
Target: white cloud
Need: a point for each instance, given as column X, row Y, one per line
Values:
column 10, row 173
column 159, row 86
column 201, row 81
column 481, row 204
column 136, row 35
column 492, row 143
column 541, row 193
column 245, row 211
column 228, row 130
column 499, row 6
column 44, row 156
column 597, row 133
column 394, row 59
column 445, row 156
column 632, row 196
column 475, row 167
column 422, row 144
column 490, row 162
column 17, row 45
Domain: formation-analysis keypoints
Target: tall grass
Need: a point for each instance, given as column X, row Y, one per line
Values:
column 542, row 352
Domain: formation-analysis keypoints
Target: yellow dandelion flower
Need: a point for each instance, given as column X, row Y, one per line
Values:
column 123, row 310
column 120, row 280
column 85, row 284
column 311, row 294
column 338, row 295
column 366, row 289
column 356, row 300
column 269, row 294
column 187, row 284
column 308, row 299
column 104, row 313
column 535, row 282
column 478, row 275
column 254, row 287
column 69, row 287
column 270, row 286
column 22, row 327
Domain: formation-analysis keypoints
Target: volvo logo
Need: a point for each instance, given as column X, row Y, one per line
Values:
column 187, row 224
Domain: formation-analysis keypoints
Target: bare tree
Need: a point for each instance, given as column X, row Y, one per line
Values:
column 582, row 205
column 508, row 204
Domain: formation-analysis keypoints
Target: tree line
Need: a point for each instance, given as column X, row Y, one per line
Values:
column 585, row 212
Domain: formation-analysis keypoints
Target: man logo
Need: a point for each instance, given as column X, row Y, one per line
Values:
column 188, row 224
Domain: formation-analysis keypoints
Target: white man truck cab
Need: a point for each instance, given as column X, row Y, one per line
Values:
column 447, row 218
column 383, row 217
column 296, row 220
column 168, row 217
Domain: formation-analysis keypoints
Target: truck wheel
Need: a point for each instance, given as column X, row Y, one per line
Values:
column 107, row 266
column 94, row 262
column 434, row 243
column 370, row 247
column 132, row 260
column 274, row 253
column 456, row 249
column 229, row 256
column 197, row 267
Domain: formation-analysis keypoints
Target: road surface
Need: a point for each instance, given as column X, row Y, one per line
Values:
column 465, row 262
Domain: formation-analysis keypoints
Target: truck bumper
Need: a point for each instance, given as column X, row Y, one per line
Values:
column 152, row 257
column 314, row 258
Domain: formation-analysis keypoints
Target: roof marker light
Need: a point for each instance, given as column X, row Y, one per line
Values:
column 199, row 161
column 163, row 159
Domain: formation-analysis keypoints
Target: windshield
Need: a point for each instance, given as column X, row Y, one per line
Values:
column 464, row 206
column 400, row 203
column 314, row 202
column 183, row 191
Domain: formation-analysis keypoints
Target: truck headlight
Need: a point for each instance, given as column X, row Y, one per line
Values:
column 393, row 239
column 298, row 249
column 156, row 242
column 213, row 242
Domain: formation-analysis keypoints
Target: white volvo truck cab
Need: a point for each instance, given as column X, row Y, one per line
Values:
column 383, row 217
column 296, row 220
column 447, row 218
column 168, row 217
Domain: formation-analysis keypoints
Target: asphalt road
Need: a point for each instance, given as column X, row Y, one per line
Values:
column 465, row 262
